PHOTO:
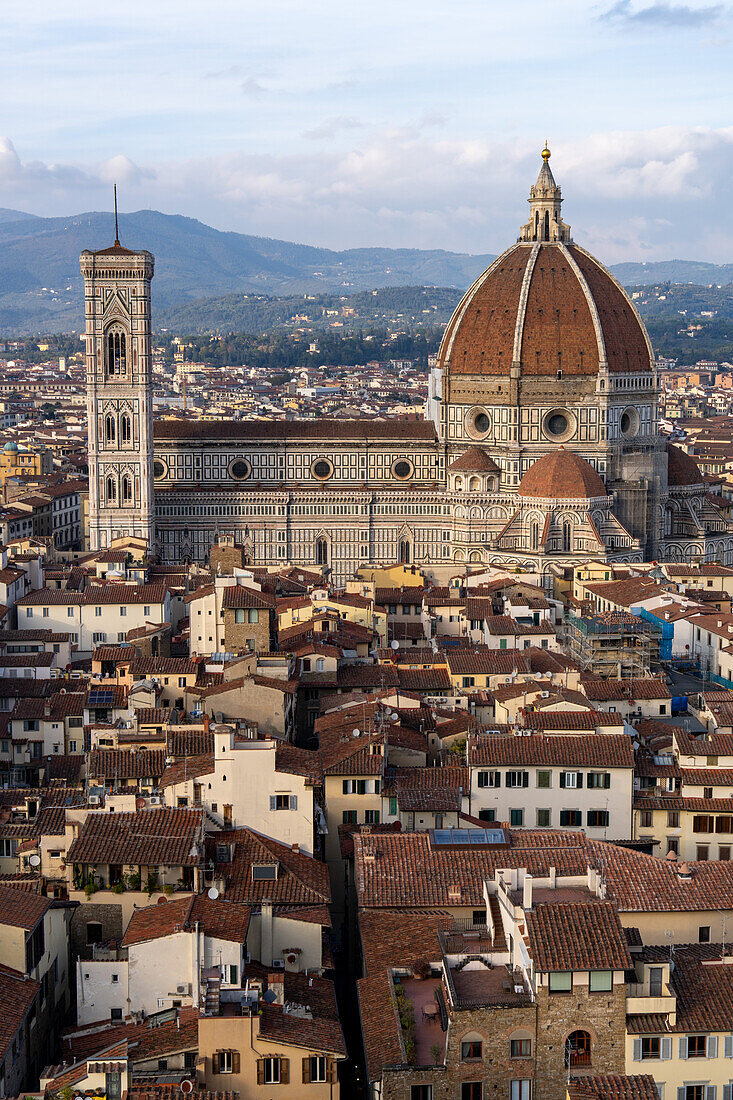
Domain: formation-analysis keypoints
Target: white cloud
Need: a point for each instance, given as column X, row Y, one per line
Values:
column 628, row 194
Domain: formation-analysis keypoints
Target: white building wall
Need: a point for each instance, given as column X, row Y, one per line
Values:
column 101, row 985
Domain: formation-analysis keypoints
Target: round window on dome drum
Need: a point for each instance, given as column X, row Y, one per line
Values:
column 402, row 469
column 322, row 469
column 159, row 469
column 629, row 422
column 558, row 424
column 239, row 469
column 481, row 423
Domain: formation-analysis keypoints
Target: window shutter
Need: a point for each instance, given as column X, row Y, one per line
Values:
column 331, row 1071
column 681, row 1092
column 497, row 779
column 273, row 802
column 345, row 786
column 306, row 1071
column 666, row 1048
column 579, row 780
column 236, row 1061
column 606, row 780
column 215, row 1063
column 683, row 1046
column 637, row 1050
column 525, row 779
column 728, row 1046
column 562, row 779
column 293, row 802
column 710, row 1092
column 712, row 1046
column 285, row 1072
column 728, row 1092
column 260, row 1071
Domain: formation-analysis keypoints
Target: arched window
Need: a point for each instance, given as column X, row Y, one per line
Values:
column 475, row 484
column 320, row 665
column 404, row 551
column 111, row 490
column 125, row 428
column 116, row 352
column 535, row 535
column 126, row 489
column 110, row 430
column 536, row 224
column 547, row 226
column 567, row 536
column 577, row 1049
column 458, row 483
column 321, row 552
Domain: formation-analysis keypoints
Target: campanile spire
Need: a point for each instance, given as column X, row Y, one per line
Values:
column 545, row 199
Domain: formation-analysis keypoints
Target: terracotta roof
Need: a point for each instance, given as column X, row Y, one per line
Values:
column 320, row 1031
column 613, row 1086
column 577, row 936
column 390, row 939
column 239, row 596
column 189, row 767
column 297, row 761
column 561, row 475
column 428, row 790
column 301, row 880
column 325, row 429
column 17, row 994
column 650, row 687
column 144, row 838
column 143, row 1041
column 118, row 764
column 608, row 750
column 116, row 593
column 22, row 909
column 220, row 919
column 475, row 460
column 682, row 468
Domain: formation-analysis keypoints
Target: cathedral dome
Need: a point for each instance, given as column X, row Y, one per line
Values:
column 545, row 305
column 682, row 468
column 562, row 475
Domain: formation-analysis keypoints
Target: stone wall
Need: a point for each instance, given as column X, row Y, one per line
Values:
column 495, row 1026
column 237, row 635
column 109, row 916
column 602, row 1015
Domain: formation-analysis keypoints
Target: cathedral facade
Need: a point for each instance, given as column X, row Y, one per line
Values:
column 539, row 444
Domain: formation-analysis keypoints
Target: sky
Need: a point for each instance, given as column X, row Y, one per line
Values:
column 400, row 123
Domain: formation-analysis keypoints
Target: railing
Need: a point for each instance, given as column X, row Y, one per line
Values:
column 575, row 1058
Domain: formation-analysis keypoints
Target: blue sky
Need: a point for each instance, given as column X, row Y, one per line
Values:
column 402, row 123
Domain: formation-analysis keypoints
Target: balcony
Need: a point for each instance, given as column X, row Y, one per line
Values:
column 643, row 997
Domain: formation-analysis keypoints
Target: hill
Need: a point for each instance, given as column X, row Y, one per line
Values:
column 41, row 290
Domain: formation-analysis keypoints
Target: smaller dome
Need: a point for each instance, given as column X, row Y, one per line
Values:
column 474, row 461
column 562, row 475
column 11, row 447
column 682, row 468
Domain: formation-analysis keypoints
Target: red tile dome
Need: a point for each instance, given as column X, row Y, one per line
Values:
column 548, row 306
column 561, row 475
column 682, row 468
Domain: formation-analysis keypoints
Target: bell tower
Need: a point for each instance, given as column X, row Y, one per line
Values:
column 119, row 393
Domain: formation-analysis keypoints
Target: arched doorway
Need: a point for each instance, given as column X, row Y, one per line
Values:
column 577, row 1049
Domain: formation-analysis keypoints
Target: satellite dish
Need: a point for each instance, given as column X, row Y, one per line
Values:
column 34, row 860
column 538, row 675
column 355, row 733
column 395, row 716
column 395, row 644
column 212, row 893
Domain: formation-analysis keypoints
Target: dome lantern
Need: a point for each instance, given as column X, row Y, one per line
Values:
column 545, row 200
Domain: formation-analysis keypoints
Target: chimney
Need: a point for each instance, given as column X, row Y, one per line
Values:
column 207, row 722
column 46, row 709
column 553, row 878
column 527, row 892
column 295, row 848
column 266, row 932
column 276, row 985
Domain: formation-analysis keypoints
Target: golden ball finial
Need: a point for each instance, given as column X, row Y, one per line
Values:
column 545, row 152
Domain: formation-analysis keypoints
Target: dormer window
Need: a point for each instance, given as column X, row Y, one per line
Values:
column 264, row 872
